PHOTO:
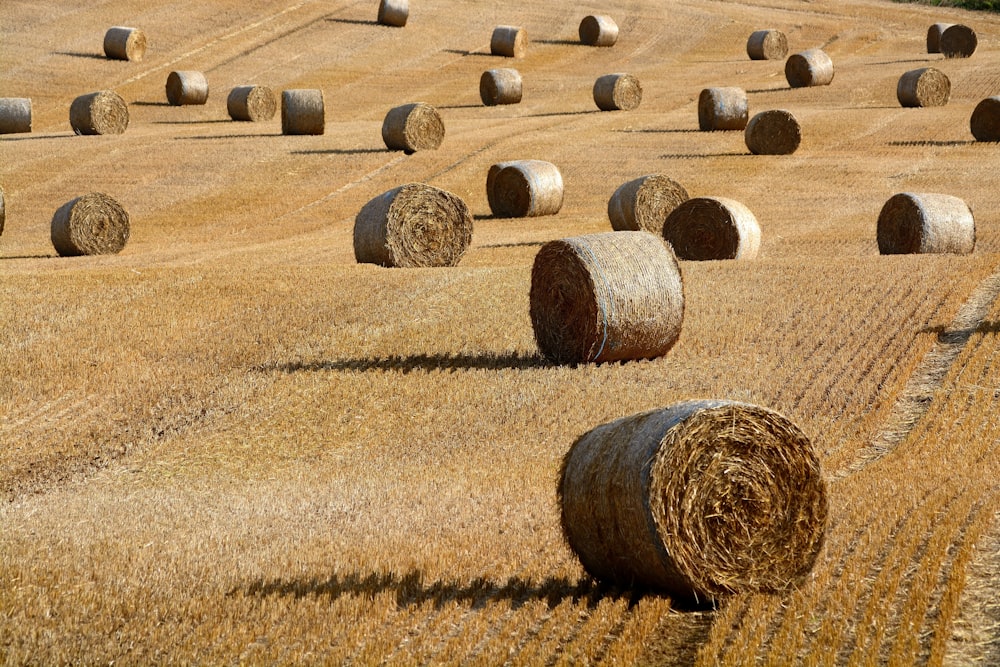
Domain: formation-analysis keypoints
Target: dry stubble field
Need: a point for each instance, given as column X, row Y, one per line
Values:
column 231, row 443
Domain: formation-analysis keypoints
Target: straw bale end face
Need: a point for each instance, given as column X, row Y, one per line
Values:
column 722, row 109
column 92, row 224
column 773, row 132
column 617, row 92
column 912, row 223
column 707, row 228
column 924, row 87
column 958, row 41
column 103, row 112
column 393, row 13
column 769, row 44
column 509, row 41
column 598, row 30
column 413, row 127
column 985, row 120
column 123, row 43
column 812, row 67
column 187, row 88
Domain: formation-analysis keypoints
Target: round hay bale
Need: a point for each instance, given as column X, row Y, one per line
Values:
column 617, row 92
column 958, row 41
column 934, row 36
column 769, row 44
column 773, row 132
column 302, row 111
column 121, row 43
column 707, row 228
column 92, row 224
column 606, row 297
column 15, row 115
column 925, row 223
column 413, row 127
column 698, row 500
column 103, row 112
column 924, row 87
column 500, row 86
column 985, row 120
column 812, row 67
column 722, row 109
column 598, row 31
column 187, row 87
column 393, row 12
column 644, row 203
column 509, row 41
column 524, row 189
column 414, row 225
column 252, row 103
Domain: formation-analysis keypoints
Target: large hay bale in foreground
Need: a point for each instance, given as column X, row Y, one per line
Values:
column 958, row 41
column 934, row 36
column 413, row 127
column 985, row 120
column 698, row 500
column 251, row 103
column 812, row 67
column 924, row 87
column 617, row 92
column 706, row 228
column 644, row 203
column 414, row 225
column 524, row 189
column 15, row 115
column 92, row 224
column 769, row 44
column 122, row 43
column 606, row 297
column 925, row 223
column 500, row 86
column 187, row 88
column 509, row 41
column 722, row 109
column 598, row 30
column 302, row 111
column 393, row 12
column 773, row 132
column 103, row 112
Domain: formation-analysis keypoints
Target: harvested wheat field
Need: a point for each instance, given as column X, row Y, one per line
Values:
column 232, row 443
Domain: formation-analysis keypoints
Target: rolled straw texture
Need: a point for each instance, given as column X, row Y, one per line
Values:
column 15, row 115
column 617, row 92
column 958, row 41
column 925, row 223
column 767, row 44
column 413, row 127
column 934, row 36
column 103, row 112
column 251, row 103
column 644, row 203
column 524, row 189
column 707, row 228
column 606, row 297
column 187, row 88
column 414, row 225
column 985, row 120
column 598, row 30
column 500, row 86
column 122, row 43
column 812, row 67
column 773, row 132
column 699, row 500
column 302, row 111
column 722, row 109
column 510, row 41
column 3, row 212
column 92, row 224
column 924, row 87
column 393, row 12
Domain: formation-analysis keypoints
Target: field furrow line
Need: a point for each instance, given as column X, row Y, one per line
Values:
column 976, row 636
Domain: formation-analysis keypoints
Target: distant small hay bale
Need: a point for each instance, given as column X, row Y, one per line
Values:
column 122, row 43
column 251, row 103
column 302, row 111
column 924, row 87
column 414, row 225
column 773, row 132
column 500, row 86
column 15, row 115
column 617, row 92
column 509, row 41
column 698, row 500
column 769, row 44
column 812, row 67
column 925, row 223
column 985, row 120
column 706, row 228
column 644, row 203
column 103, row 112
column 722, row 109
column 393, row 12
column 413, row 127
column 598, row 30
column 612, row 296
column 524, row 189
column 187, row 88
column 958, row 41
column 92, row 224
column 934, row 36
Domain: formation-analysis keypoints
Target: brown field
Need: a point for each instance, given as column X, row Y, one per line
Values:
column 232, row 444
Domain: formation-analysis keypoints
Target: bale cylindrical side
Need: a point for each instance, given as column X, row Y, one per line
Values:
column 510, row 41
column 122, row 43
column 769, row 44
column 699, row 500
column 773, row 132
column 707, row 228
column 644, row 203
column 924, row 87
column 15, row 115
column 606, row 297
column 500, row 86
column 413, row 127
column 812, row 67
column 524, row 189
column 598, row 30
column 617, row 92
column 251, row 103
column 414, row 225
column 187, row 87
column 103, row 112
column 958, row 41
column 985, row 120
column 302, row 111
column 925, row 223
column 393, row 12
column 3, row 211
column 92, row 224
column 934, row 36
column 722, row 109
